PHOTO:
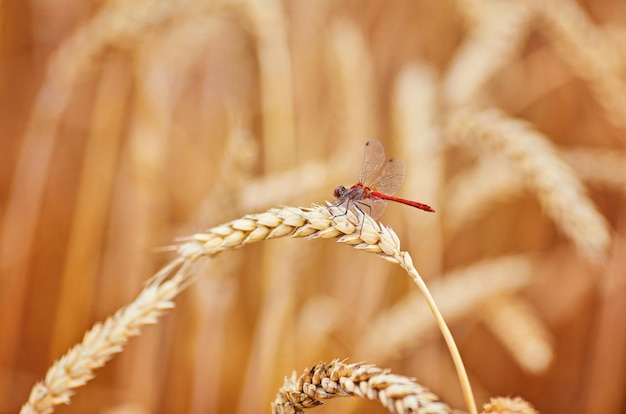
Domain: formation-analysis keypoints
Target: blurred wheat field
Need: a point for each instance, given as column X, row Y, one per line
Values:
column 127, row 124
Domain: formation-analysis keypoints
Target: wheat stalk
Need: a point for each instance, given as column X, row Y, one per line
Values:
column 592, row 54
column 493, row 43
column 533, row 156
column 397, row 393
column 521, row 331
column 460, row 292
column 104, row 340
column 353, row 80
column 362, row 233
column 471, row 195
column 600, row 167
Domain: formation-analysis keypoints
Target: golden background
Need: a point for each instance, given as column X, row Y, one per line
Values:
column 126, row 124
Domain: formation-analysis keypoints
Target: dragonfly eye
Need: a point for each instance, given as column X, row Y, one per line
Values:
column 339, row 191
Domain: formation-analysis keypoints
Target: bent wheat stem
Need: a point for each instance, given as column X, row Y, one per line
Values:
column 363, row 233
column 106, row 339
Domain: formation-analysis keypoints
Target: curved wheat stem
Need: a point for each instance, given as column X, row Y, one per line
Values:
column 362, row 233
column 104, row 340
column 397, row 393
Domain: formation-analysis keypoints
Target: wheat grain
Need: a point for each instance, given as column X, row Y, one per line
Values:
column 508, row 405
column 397, row 393
column 559, row 191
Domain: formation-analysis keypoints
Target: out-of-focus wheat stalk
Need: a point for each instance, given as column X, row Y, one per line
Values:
column 115, row 23
column 604, row 168
column 353, row 82
column 397, row 393
column 363, row 233
column 415, row 103
column 277, row 311
column 457, row 293
column 472, row 194
column 518, row 327
column 592, row 54
column 97, row 181
column 493, row 42
column 605, row 377
column 276, row 80
column 530, row 153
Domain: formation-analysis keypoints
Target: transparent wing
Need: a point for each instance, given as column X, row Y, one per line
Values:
column 372, row 161
column 391, row 177
column 378, row 206
column 374, row 208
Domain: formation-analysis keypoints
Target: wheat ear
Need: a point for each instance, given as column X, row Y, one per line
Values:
column 533, row 156
column 508, row 405
column 106, row 339
column 592, row 54
column 397, row 393
column 362, row 233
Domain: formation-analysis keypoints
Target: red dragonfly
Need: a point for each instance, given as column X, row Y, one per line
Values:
column 376, row 186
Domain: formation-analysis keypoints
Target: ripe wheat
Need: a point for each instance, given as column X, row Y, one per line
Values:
column 104, row 340
column 397, row 393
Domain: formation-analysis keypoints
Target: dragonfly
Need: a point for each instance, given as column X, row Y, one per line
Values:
column 376, row 185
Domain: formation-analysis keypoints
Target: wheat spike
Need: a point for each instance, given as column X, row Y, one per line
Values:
column 104, row 340
column 397, row 393
column 592, row 54
column 559, row 191
column 473, row 194
column 362, row 233
column 600, row 167
column 493, row 43
column 523, row 333
column 508, row 405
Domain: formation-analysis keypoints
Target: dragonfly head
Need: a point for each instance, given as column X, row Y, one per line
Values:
column 339, row 191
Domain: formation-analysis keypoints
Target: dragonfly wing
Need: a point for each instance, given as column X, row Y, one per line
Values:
column 391, row 177
column 374, row 208
column 372, row 161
